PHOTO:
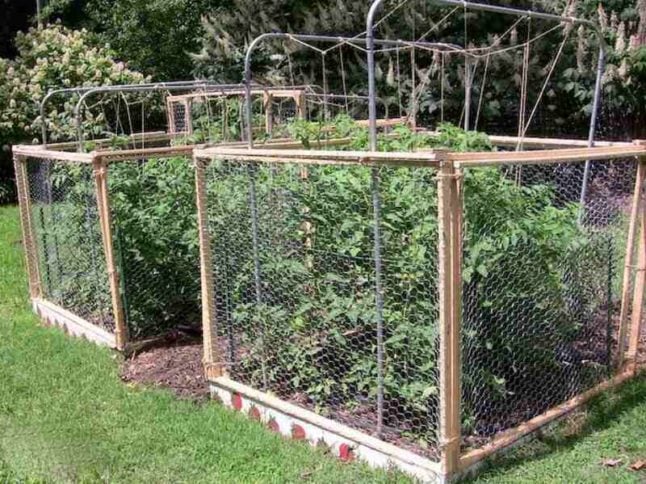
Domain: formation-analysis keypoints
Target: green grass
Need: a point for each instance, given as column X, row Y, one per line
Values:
column 612, row 426
column 65, row 416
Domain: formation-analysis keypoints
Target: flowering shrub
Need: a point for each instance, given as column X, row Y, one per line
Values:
column 50, row 58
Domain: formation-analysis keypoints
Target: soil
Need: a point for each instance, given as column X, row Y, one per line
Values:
column 177, row 367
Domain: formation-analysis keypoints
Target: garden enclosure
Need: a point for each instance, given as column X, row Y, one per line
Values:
column 91, row 255
column 396, row 298
column 110, row 217
column 424, row 308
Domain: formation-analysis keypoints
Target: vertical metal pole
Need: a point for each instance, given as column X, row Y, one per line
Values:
column 54, row 220
column 609, row 306
column 467, row 93
column 46, row 262
column 326, row 110
column 247, row 93
column 121, row 268
column 379, row 297
column 31, row 257
column 596, row 103
column 450, row 297
column 227, row 312
column 212, row 366
column 253, row 202
column 103, row 205
column 372, row 88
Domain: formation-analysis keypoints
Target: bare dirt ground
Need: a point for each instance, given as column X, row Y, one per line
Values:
column 177, row 367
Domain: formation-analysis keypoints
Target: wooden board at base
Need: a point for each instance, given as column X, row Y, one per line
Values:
column 300, row 424
column 71, row 324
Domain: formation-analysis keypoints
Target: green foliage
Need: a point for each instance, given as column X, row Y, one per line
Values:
column 313, row 333
column 155, row 36
column 51, row 58
column 155, row 228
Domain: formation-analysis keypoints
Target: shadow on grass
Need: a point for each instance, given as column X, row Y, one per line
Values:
column 600, row 413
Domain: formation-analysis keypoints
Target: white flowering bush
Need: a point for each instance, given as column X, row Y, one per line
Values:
column 50, row 58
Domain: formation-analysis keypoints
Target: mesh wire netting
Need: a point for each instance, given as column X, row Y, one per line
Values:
column 152, row 202
column 67, row 230
column 217, row 117
column 178, row 121
column 295, row 291
column 542, row 278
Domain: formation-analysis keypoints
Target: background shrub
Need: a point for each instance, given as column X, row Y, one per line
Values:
column 51, row 58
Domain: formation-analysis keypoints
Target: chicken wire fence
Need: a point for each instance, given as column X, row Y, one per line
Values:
column 155, row 265
column 68, row 240
column 326, row 287
column 541, row 280
column 294, row 290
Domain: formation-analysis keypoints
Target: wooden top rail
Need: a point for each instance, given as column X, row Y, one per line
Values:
column 214, row 93
column 512, row 141
column 321, row 157
column 543, row 157
column 42, row 153
column 423, row 158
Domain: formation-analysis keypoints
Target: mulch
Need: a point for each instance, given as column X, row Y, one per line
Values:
column 177, row 367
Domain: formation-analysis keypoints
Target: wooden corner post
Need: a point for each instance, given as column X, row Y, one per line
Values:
column 105, row 219
column 636, row 322
column 212, row 366
column 28, row 237
column 268, row 103
column 450, row 312
column 636, row 212
column 301, row 107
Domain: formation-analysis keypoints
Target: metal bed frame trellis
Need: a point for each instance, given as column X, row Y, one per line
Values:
column 449, row 166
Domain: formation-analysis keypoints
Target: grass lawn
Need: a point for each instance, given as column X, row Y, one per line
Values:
column 66, row 416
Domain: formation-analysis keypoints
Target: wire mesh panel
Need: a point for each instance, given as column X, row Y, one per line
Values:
column 178, row 121
column 152, row 202
column 67, row 230
column 296, row 279
column 542, row 276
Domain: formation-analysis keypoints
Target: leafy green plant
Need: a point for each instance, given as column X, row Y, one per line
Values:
column 155, row 229
column 312, row 334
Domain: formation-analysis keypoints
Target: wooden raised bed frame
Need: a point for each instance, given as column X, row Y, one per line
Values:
column 453, row 461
